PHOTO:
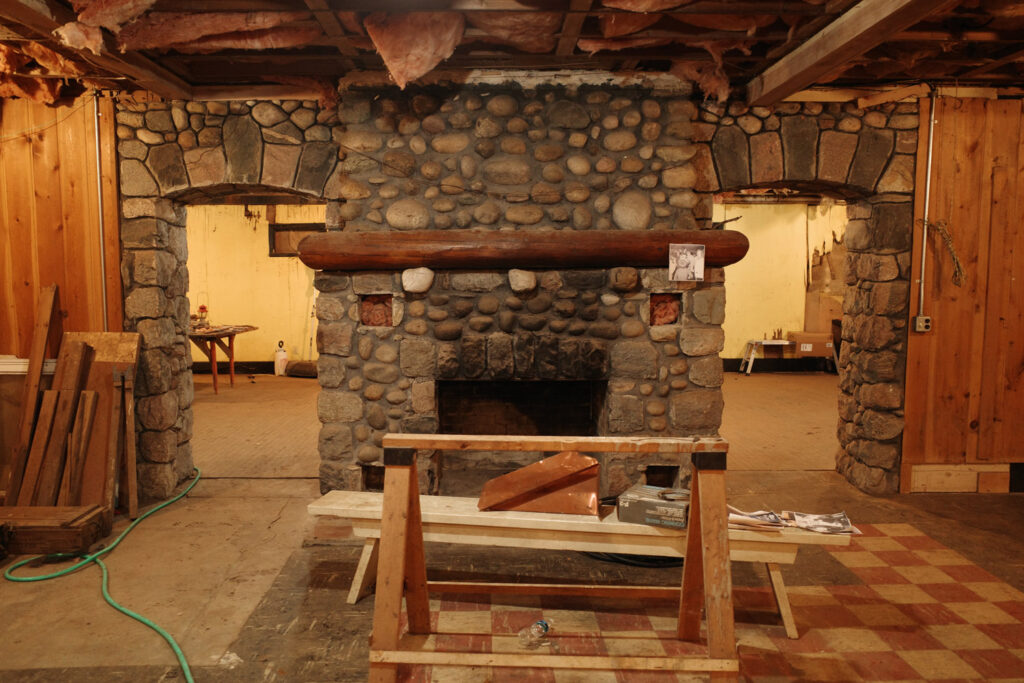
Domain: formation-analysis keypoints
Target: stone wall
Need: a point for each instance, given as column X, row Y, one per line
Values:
column 514, row 161
column 516, row 325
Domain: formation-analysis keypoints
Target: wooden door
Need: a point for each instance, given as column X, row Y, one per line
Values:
column 965, row 392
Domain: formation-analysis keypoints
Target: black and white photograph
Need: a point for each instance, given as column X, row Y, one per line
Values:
column 686, row 262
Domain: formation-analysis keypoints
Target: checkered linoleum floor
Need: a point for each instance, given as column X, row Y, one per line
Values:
column 923, row 613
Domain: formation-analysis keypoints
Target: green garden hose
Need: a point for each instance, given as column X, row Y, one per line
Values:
column 95, row 557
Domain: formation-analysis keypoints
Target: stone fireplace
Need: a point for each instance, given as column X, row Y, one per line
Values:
column 530, row 161
column 587, row 329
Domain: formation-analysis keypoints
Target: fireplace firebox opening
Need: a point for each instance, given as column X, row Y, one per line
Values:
column 556, row 408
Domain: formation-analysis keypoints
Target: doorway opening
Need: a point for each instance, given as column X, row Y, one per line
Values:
column 788, row 289
column 244, row 270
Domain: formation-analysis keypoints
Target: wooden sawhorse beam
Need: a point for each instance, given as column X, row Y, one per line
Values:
column 706, row 581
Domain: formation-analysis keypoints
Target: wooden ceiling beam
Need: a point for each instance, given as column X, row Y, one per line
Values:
column 858, row 30
column 1015, row 56
column 328, row 21
column 43, row 16
column 571, row 26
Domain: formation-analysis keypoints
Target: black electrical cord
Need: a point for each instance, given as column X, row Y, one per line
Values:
column 645, row 561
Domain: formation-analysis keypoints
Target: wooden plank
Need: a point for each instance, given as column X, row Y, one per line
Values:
column 130, row 481
column 118, row 348
column 387, row 608
column 80, row 217
column 115, row 448
column 978, row 277
column 992, row 64
column 667, row 593
column 691, row 600
column 111, row 219
column 861, row 28
column 93, row 468
column 448, row 514
column 20, row 223
column 366, row 572
column 26, row 490
column 395, row 250
column 72, row 365
column 48, row 305
column 559, row 661
column 782, row 600
column 1002, row 385
column 993, row 482
column 895, row 95
column 571, row 25
column 72, row 481
column 583, row 444
column 44, row 177
column 52, row 469
column 112, row 352
column 417, row 604
column 952, row 480
column 718, row 605
column 963, row 468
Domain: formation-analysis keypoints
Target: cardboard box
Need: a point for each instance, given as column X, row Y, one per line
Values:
column 811, row 344
column 644, row 504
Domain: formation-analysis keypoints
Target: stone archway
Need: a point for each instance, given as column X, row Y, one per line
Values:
column 176, row 154
column 868, row 158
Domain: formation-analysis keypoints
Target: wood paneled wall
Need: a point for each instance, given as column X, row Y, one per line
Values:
column 965, row 379
column 50, row 228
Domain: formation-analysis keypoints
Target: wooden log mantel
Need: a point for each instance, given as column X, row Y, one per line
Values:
column 497, row 249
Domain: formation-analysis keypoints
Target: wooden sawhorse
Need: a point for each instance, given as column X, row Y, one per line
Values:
column 706, row 581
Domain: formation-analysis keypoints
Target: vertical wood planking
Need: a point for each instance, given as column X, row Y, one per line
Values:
column 965, row 388
column 20, row 223
column 49, row 213
column 75, row 216
column 1002, row 388
column 111, row 227
column 919, row 346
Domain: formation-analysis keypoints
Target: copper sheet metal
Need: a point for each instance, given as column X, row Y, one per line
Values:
column 564, row 483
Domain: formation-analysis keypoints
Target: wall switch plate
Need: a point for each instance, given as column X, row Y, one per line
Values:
column 922, row 323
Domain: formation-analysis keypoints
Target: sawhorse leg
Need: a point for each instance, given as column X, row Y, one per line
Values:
column 366, row 572
column 707, row 575
column 782, row 599
column 402, row 568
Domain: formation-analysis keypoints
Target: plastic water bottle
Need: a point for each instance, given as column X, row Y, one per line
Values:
column 280, row 359
column 534, row 635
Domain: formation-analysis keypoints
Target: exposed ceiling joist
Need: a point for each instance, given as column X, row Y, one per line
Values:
column 858, row 30
column 1015, row 56
column 328, row 21
column 571, row 26
column 205, row 93
column 43, row 16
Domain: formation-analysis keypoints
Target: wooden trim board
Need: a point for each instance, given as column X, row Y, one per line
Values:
column 582, row 444
column 959, row 478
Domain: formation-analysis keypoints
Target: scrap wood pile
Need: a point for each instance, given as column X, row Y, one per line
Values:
column 74, row 455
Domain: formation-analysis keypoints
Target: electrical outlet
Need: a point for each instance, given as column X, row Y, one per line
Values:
column 922, row 323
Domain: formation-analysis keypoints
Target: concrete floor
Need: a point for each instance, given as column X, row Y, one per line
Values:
column 239, row 575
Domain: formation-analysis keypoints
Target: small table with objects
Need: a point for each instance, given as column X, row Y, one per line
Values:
column 209, row 337
column 750, row 352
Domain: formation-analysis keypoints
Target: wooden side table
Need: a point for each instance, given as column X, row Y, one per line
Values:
column 750, row 352
column 208, row 338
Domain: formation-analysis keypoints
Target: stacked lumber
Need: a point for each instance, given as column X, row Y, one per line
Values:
column 75, row 438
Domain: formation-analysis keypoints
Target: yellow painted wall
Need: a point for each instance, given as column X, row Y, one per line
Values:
column 766, row 290
column 231, row 272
